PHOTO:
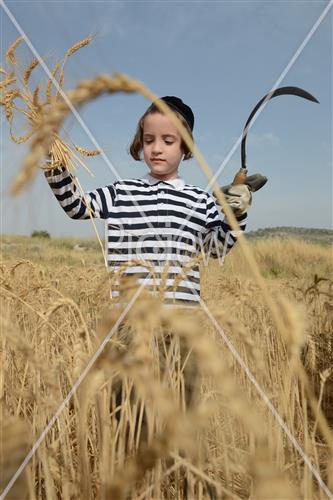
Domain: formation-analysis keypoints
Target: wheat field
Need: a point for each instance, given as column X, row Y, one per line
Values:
column 166, row 411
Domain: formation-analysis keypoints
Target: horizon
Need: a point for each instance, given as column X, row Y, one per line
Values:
column 94, row 237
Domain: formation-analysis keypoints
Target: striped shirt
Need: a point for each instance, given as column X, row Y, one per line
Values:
column 157, row 231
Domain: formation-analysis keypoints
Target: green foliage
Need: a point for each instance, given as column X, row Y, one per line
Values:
column 40, row 234
column 315, row 235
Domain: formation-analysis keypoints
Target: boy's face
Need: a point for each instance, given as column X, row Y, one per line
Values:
column 161, row 142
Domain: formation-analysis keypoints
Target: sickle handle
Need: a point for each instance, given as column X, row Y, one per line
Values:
column 240, row 177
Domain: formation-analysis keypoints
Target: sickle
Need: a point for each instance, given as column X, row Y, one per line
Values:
column 257, row 181
column 240, row 177
column 281, row 91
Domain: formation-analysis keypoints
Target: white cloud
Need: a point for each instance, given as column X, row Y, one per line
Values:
column 263, row 139
column 256, row 139
column 110, row 22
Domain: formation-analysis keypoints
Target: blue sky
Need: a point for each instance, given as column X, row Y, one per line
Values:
column 220, row 58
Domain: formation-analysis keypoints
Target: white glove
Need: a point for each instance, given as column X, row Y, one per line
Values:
column 239, row 198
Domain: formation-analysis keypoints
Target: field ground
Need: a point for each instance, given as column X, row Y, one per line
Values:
column 158, row 423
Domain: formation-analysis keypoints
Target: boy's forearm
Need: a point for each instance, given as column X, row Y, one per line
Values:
column 97, row 203
column 242, row 221
column 65, row 190
column 228, row 236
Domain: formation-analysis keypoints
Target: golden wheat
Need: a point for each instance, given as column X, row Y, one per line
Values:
column 34, row 63
column 15, row 440
column 35, row 108
column 70, row 52
column 35, row 97
column 10, row 54
column 78, row 46
column 87, row 152
column 145, row 440
column 8, row 81
column 51, row 82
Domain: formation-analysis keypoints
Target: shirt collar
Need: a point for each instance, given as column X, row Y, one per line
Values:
column 178, row 183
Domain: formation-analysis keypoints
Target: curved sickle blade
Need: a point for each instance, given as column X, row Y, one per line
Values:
column 281, row 91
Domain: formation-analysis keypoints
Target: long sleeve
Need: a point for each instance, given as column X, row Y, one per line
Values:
column 220, row 238
column 98, row 203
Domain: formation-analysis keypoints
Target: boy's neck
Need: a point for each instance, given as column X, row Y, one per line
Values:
column 165, row 177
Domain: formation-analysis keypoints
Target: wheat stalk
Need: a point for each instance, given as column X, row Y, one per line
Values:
column 16, row 437
column 87, row 152
column 22, row 138
column 69, row 53
column 9, row 97
column 7, row 82
column 10, row 54
column 34, row 63
column 77, row 46
column 35, row 97
column 51, row 82
column 61, row 154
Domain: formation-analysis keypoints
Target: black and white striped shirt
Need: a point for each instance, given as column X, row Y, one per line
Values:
column 156, row 230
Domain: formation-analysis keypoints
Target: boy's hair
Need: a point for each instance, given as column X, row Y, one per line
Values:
column 137, row 143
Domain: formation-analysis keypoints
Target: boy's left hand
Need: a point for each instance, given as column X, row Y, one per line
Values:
column 239, row 198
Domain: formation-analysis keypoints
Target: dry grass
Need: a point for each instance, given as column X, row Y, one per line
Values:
column 166, row 404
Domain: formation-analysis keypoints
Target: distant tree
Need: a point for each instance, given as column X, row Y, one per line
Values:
column 40, row 234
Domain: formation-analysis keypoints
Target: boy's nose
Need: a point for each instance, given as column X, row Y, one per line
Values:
column 156, row 148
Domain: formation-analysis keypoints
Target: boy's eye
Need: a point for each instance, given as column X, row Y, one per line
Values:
column 148, row 141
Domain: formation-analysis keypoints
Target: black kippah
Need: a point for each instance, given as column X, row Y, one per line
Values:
column 181, row 107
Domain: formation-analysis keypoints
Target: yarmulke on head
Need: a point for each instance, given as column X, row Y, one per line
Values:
column 177, row 104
